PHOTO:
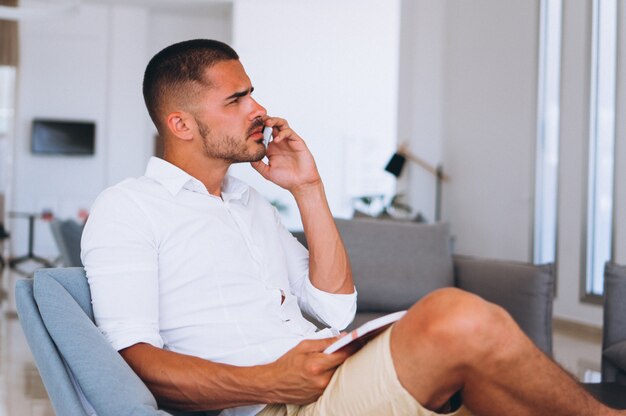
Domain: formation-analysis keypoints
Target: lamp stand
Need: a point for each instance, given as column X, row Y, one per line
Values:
column 438, row 187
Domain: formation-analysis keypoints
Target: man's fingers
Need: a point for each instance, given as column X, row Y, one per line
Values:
column 350, row 348
column 285, row 134
column 317, row 345
column 280, row 130
column 277, row 122
column 261, row 167
column 338, row 357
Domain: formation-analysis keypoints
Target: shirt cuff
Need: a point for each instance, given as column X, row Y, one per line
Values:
column 336, row 310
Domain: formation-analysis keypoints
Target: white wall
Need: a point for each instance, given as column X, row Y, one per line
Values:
column 65, row 73
column 331, row 69
column 489, row 124
column 469, row 81
column 488, row 131
column 456, row 79
column 168, row 27
column 127, row 145
column 90, row 66
column 420, row 109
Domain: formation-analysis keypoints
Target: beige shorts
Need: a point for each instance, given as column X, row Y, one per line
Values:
column 365, row 384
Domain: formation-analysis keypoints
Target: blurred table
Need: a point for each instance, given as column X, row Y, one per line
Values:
column 30, row 256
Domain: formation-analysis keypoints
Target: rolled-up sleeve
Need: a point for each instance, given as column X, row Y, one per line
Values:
column 119, row 251
column 332, row 309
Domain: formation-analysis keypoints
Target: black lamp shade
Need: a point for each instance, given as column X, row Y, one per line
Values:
column 395, row 165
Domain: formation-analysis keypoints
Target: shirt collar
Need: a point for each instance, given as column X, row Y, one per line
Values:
column 174, row 179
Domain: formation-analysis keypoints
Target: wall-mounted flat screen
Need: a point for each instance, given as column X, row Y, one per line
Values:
column 63, row 137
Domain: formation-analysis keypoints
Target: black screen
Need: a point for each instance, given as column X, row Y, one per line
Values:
column 63, row 137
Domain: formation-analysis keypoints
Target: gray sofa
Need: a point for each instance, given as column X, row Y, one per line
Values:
column 614, row 336
column 396, row 263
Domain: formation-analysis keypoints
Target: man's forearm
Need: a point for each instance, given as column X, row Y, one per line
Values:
column 329, row 265
column 185, row 382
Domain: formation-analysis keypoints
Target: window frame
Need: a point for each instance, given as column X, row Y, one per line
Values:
column 550, row 55
column 590, row 203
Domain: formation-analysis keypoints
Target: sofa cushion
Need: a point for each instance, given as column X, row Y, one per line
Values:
column 525, row 290
column 91, row 359
column 396, row 263
column 616, row 354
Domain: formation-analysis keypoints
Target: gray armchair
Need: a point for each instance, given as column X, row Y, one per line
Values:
column 82, row 373
column 396, row 263
column 614, row 337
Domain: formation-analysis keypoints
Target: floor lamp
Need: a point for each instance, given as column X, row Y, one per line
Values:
column 397, row 162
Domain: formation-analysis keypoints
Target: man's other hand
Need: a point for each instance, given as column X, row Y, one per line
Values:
column 302, row 374
column 290, row 163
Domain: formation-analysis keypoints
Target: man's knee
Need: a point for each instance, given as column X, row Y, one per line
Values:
column 459, row 321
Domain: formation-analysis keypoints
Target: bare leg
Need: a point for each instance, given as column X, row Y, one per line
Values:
column 453, row 341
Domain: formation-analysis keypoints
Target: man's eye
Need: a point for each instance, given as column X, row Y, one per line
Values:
column 234, row 101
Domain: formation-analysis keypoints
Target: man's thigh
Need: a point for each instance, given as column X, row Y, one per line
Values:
column 365, row 384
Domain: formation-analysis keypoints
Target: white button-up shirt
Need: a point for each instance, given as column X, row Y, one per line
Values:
column 171, row 265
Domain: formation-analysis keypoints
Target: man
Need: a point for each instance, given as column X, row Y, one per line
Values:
column 198, row 285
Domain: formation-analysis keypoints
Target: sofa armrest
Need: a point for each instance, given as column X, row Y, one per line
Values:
column 614, row 323
column 525, row 290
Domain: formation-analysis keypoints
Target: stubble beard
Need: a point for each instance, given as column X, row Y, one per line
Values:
column 227, row 147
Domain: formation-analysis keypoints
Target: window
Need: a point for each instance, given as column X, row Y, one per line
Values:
column 547, row 153
column 599, row 221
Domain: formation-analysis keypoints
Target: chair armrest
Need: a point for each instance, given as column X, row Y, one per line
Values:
column 525, row 290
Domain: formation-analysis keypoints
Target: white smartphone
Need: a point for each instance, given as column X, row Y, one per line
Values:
column 267, row 135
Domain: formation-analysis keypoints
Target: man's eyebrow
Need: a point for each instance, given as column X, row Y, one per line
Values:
column 241, row 93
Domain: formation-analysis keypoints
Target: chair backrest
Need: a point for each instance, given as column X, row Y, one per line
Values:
column 63, row 395
column 67, row 234
column 82, row 373
column 614, row 334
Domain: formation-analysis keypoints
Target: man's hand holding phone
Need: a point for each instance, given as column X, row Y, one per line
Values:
column 291, row 166
column 290, row 163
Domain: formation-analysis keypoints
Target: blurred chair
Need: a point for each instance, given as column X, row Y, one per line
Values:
column 67, row 234
column 3, row 236
column 3, row 232
column 82, row 373
column 614, row 337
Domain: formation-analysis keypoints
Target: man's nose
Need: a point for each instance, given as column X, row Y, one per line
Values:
column 258, row 110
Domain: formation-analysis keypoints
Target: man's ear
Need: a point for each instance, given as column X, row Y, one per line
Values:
column 181, row 125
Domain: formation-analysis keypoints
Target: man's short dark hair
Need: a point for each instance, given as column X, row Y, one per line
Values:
column 179, row 66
